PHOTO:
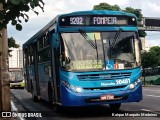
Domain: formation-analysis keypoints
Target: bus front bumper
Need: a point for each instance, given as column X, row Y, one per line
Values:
column 17, row 85
column 70, row 98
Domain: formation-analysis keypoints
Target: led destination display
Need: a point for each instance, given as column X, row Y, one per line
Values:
column 98, row 20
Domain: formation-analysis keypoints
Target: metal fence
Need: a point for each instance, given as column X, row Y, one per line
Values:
column 151, row 75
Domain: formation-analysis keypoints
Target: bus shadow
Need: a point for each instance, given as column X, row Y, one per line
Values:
column 88, row 111
column 80, row 112
column 47, row 109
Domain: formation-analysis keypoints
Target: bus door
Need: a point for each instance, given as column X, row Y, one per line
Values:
column 26, row 73
column 37, row 89
column 25, row 61
column 55, row 66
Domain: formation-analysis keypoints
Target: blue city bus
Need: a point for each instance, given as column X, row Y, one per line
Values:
column 85, row 58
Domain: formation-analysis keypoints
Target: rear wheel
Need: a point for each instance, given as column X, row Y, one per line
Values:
column 57, row 108
column 115, row 106
column 50, row 94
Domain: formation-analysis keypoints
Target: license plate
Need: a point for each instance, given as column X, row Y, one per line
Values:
column 107, row 97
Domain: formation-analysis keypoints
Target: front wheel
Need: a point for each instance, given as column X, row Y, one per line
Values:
column 115, row 106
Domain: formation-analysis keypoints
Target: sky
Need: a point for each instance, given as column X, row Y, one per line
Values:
column 150, row 8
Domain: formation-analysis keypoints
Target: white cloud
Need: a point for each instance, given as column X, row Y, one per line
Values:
column 155, row 42
column 150, row 8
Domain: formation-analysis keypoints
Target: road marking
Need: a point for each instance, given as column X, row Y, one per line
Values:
column 157, row 92
column 146, row 110
column 150, row 111
column 151, row 90
column 14, row 108
column 153, row 95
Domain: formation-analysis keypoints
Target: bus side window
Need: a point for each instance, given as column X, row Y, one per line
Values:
column 46, row 39
column 40, row 43
column 28, row 57
column 44, row 55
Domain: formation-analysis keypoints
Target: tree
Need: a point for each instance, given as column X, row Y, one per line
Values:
column 14, row 11
column 12, row 43
column 155, row 50
column 151, row 58
column 137, row 12
column 106, row 6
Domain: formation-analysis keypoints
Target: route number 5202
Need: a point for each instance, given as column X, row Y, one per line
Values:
column 76, row 20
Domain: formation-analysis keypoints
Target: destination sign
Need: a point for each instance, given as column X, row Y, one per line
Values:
column 98, row 20
column 104, row 20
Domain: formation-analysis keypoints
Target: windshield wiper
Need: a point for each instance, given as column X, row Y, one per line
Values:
column 96, row 47
column 116, row 38
column 83, row 33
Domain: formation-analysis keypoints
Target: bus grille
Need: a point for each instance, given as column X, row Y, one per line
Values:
column 105, row 88
column 108, row 76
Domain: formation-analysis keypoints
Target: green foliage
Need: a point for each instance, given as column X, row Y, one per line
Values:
column 137, row 12
column 14, row 10
column 151, row 58
column 12, row 43
column 142, row 33
column 139, row 15
column 155, row 50
column 106, row 6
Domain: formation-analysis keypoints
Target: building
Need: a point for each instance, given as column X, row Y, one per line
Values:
column 145, row 44
column 15, row 58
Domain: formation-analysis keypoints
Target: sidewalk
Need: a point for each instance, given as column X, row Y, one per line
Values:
column 15, row 106
column 157, row 86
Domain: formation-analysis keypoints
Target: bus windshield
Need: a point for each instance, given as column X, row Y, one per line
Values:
column 16, row 76
column 99, row 50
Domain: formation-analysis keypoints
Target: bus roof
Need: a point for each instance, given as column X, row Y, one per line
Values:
column 53, row 21
column 109, row 12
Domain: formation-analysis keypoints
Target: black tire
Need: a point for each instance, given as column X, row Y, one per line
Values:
column 34, row 97
column 50, row 94
column 57, row 108
column 115, row 106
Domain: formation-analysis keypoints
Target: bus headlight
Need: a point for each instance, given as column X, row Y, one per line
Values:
column 136, row 83
column 131, row 86
column 139, row 80
column 71, row 87
column 66, row 84
column 78, row 89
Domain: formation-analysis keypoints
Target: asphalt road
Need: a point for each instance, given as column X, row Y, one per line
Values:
column 150, row 104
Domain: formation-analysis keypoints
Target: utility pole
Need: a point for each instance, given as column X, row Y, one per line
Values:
column 4, row 81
